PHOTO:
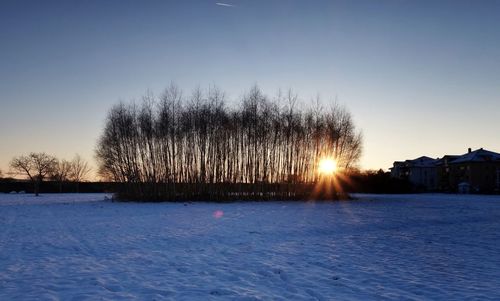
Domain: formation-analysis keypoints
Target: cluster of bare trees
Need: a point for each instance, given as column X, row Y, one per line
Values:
column 39, row 166
column 201, row 142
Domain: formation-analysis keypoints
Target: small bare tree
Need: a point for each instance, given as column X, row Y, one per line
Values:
column 79, row 171
column 61, row 172
column 36, row 166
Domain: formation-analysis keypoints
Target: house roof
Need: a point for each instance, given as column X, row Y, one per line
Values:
column 423, row 161
column 479, row 155
column 447, row 159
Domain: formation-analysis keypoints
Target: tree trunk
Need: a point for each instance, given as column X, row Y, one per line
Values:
column 37, row 187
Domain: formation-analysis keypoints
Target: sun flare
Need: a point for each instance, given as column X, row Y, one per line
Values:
column 327, row 166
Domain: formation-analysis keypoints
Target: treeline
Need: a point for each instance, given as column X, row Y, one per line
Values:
column 196, row 146
column 10, row 185
column 355, row 182
column 376, row 182
column 37, row 167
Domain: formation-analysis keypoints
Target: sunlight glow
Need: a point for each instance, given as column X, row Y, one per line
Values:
column 327, row 166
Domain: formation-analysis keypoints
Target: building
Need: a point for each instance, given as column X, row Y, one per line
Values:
column 443, row 171
column 480, row 169
column 421, row 172
column 475, row 171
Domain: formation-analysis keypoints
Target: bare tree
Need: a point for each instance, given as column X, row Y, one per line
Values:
column 193, row 146
column 61, row 172
column 78, row 171
column 35, row 166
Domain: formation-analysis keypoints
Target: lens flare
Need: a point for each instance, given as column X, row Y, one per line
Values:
column 218, row 214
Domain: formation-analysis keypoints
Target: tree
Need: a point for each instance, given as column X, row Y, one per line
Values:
column 61, row 172
column 78, row 171
column 36, row 166
column 192, row 146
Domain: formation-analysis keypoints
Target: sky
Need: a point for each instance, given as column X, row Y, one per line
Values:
column 419, row 77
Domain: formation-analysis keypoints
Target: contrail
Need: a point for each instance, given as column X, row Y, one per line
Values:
column 224, row 4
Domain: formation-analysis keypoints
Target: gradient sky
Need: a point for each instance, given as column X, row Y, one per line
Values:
column 419, row 77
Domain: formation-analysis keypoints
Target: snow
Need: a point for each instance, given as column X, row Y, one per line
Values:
column 379, row 247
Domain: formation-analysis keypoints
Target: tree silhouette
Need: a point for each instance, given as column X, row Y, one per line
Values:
column 60, row 172
column 78, row 171
column 36, row 166
column 199, row 141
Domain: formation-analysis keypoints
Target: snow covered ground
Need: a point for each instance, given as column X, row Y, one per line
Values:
column 404, row 247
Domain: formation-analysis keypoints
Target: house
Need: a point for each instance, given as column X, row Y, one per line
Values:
column 475, row 171
column 399, row 170
column 421, row 172
column 443, row 173
column 480, row 169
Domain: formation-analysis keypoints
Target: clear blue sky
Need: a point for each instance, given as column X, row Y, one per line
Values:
column 420, row 77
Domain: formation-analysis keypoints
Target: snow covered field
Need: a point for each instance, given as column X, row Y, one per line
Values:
column 412, row 247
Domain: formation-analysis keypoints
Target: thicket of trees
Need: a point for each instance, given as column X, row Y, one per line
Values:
column 176, row 146
column 372, row 181
column 39, row 166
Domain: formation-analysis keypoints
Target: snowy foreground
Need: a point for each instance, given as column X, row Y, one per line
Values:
column 411, row 247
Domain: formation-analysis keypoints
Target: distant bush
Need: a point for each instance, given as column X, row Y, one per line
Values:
column 376, row 182
column 8, row 185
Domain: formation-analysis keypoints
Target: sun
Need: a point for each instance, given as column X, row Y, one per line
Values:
column 327, row 166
